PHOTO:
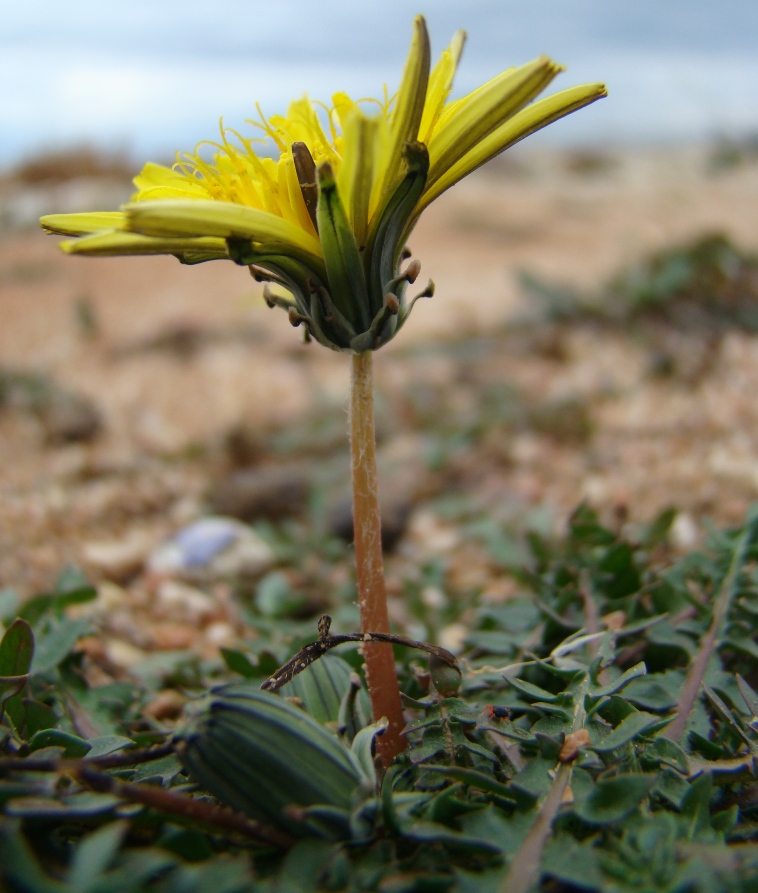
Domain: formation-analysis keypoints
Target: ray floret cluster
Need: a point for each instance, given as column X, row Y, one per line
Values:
column 325, row 220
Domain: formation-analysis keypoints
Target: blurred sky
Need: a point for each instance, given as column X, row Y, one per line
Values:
column 148, row 76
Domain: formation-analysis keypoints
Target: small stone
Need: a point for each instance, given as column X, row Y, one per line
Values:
column 615, row 620
column 684, row 532
column 68, row 418
column 94, row 648
column 453, row 636
column 180, row 601
column 211, row 549
column 168, row 704
column 271, row 493
column 123, row 654
column 173, row 636
column 395, row 510
column 121, row 559
column 434, row 598
column 220, row 634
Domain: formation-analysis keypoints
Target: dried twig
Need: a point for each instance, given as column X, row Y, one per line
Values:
column 729, row 586
column 177, row 804
column 119, row 760
column 325, row 642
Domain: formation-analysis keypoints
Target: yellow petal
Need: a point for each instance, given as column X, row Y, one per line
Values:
column 159, row 181
column 534, row 117
column 407, row 113
column 359, row 134
column 488, row 109
column 83, row 224
column 440, row 85
column 224, row 220
column 110, row 244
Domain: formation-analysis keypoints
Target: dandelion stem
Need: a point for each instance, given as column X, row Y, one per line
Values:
column 367, row 525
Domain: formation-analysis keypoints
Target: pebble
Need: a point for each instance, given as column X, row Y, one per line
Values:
column 395, row 509
column 212, row 548
column 173, row 636
column 270, row 492
column 123, row 654
column 684, row 531
column 220, row 634
column 168, row 704
column 70, row 418
column 453, row 637
column 181, row 601
column 120, row 559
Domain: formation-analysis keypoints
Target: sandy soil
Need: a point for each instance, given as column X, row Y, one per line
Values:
column 177, row 359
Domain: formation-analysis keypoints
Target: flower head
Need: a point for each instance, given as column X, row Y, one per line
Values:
column 326, row 219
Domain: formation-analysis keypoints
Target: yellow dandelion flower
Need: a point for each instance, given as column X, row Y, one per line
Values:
column 327, row 218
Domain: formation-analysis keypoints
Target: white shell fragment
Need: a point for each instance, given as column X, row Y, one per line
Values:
column 212, row 548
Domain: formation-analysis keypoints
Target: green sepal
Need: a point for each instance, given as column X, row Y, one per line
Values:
column 270, row 760
column 344, row 269
column 321, row 687
column 388, row 237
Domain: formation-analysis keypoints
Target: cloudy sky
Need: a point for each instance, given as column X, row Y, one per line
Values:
column 150, row 76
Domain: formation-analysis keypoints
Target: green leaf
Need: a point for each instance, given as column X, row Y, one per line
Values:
column 658, row 530
column 101, row 747
column 72, row 745
column 672, row 787
column 573, row 863
column 239, row 662
column 304, row 865
column 431, row 832
column 532, row 692
column 620, row 569
column 474, row 779
column 655, row 692
column 38, row 716
column 671, row 754
column 612, row 687
column 362, row 748
column 726, row 715
column 55, row 603
column 630, row 728
column 20, row 865
column 16, row 649
column 54, row 645
column 612, row 800
column 750, row 698
column 10, row 688
column 94, row 854
column 696, row 807
column 585, row 527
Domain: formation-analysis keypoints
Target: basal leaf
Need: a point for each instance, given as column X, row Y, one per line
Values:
column 630, row 728
column 530, row 691
column 622, row 681
column 72, row 745
column 16, row 649
column 56, row 643
column 94, row 854
column 239, row 662
column 613, row 799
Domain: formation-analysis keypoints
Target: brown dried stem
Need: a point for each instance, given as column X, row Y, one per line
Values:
column 693, row 683
column 380, row 662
